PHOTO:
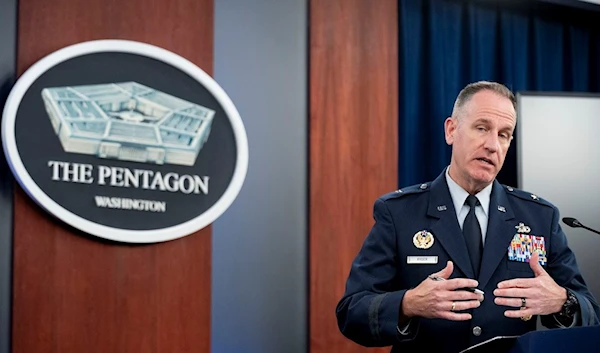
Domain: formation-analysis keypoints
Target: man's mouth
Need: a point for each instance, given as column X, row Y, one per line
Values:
column 488, row 161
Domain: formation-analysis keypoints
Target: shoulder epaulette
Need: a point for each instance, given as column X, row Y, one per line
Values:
column 525, row 195
column 413, row 189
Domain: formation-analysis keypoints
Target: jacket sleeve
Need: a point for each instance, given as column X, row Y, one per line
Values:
column 563, row 268
column 369, row 309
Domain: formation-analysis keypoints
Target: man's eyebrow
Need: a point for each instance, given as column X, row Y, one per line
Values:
column 482, row 120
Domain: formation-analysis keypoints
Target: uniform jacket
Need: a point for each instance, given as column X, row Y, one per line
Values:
column 368, row 311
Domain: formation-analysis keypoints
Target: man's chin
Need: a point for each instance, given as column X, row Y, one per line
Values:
column 483, row 178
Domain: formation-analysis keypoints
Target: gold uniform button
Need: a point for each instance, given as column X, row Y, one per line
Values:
column 477, row 331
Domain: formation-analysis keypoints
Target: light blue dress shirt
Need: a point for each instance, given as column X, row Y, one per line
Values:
column 459, row 195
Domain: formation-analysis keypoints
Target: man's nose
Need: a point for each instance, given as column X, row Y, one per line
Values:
column 492, row 142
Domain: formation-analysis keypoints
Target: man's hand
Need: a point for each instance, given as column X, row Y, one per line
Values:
column 542, row 296
column 440, row 299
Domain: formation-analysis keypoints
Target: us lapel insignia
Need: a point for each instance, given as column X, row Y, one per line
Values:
column 423, row 239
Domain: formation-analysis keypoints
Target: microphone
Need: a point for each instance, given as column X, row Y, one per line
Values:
column 572, row 222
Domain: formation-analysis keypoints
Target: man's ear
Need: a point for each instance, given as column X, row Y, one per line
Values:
column 450, row 126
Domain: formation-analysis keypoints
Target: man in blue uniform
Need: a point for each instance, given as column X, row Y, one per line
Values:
column 412, row 285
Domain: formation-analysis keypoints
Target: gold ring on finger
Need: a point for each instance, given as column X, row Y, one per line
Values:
column 453, row 306
column 526, row 318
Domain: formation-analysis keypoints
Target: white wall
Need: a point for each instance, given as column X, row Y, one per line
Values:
column 559, row 160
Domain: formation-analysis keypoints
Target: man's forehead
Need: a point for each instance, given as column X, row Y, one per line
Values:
column 490, row 98
column 491, row 108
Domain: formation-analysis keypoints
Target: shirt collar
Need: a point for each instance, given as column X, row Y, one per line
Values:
column 459, row 195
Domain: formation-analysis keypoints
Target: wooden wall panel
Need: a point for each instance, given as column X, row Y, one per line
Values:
column 74, row 293
column 353, row 145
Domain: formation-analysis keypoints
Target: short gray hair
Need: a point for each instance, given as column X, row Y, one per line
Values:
column 472, row 88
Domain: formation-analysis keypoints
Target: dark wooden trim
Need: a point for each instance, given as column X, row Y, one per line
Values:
column 8, row 67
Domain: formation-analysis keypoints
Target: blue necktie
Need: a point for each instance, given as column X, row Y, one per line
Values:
column 472, row 234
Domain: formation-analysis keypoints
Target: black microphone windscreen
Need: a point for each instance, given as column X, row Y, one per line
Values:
column 571, row 222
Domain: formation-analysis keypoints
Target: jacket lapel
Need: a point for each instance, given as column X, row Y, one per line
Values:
column 445, row 228
column 499, row 233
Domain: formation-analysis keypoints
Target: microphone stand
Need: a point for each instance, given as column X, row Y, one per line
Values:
column 574, row 223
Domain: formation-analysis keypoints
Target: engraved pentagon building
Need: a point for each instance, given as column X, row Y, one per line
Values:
column 128, row 121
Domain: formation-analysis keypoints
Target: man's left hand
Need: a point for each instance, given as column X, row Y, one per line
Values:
column 542, row 296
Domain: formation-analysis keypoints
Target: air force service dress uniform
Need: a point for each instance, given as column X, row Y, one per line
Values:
column 416, row 232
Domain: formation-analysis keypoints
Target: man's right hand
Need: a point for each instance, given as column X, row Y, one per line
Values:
column 441, row 299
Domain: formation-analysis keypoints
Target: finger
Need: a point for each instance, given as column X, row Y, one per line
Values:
column 465, row 305
column 480, row 294
column 516, row 283
column 463, row 295
column 446, row 272
column 457, row 283
column 514, row 292
column 519, row 313
column 534, row 263
column 448, row 315
column 512, row 302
